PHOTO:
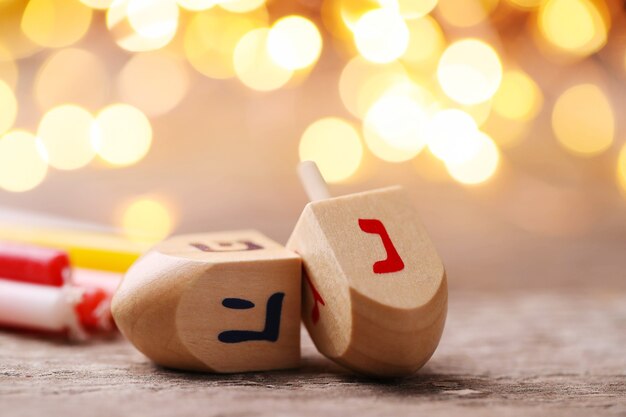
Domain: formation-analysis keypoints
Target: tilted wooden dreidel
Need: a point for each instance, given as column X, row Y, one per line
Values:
column 374, row 291
column 218, row 302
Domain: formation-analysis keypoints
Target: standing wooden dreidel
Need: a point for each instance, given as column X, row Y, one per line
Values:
column 375, row 290
column 218, row 302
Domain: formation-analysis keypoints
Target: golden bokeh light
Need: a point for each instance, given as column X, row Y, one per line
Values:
column 241, row 6
column 507, row 133
column 147, row 219
column 482, row 164
column 211, row 37
column 72, row 76
column 469, row 71
column 56, row 23
column 143, row 25
column 335, row 145
column 8, row 107
column 254, row 66
column 583, row 120
column 65, row 133
column 480, row 112
column 350, row 11
column 12, row 38
column 155, row 82
column 452, row 136
column 294, row 42
column 426, row 43
column 574, row 26
column 97, row 4
column 22, row 163
column 121, row 135
column 465, row 13
column 518, row 98
column 381, row 36
column 196, row 5
column 362, row 83
column 399, row 120
column 410, row 9
column 621, row 168
column 525, row 4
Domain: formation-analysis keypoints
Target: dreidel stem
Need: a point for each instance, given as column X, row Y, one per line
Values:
column 312, row 181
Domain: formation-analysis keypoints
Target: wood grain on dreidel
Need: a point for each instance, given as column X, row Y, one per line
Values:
column 386, row 323
column 171, row 304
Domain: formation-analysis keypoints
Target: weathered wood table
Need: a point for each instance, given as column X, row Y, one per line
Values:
column 512, row 353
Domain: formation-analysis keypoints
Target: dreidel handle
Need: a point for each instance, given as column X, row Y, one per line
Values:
column 312, row 181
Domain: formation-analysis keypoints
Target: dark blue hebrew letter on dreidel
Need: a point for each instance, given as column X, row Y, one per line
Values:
column 272, row 320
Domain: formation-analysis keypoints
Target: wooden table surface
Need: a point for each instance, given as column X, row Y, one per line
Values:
column 502, row 354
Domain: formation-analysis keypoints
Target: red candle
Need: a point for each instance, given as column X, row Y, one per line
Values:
column 33, row 264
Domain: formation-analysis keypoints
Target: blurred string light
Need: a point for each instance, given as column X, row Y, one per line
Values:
column 451, row 135
column 211, row 37
column 9, row 71
column 121, row 134
column 518, row 98
column 381, row 36
column 410, row 9
column 426, row 43
column 480, row 165
column 240, row 6
column 97, row 4
column 143, row 25
column 147, row 219
column 469, row 71
column 22, row 161
column 254, row 66
column 335, row 145
column 583, row 120
column 294, row 42
column 55, row 23
column 573, row 26
column 8, row 107
column 155, row 82
column 72, row 75
column 65, row 132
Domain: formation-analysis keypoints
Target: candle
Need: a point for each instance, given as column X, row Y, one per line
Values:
column 71, row 309
column 36, row 265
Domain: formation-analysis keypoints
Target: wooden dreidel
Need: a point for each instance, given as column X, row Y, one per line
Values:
column 374, row 288
column 218, row 302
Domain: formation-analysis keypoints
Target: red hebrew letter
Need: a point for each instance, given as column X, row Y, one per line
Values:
column 393, row 263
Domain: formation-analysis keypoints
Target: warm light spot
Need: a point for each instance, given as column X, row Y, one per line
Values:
column 12, row 37
column 143, row 25
column 621, row 168
column 8, row 107
column 426, row 43
column 294, row 42
column 335, row 145
column 196, row 5
column 362, row 83
column 381, row 36
column 55, row 23
column 481, row 166
column 469, row 71
column 97, row 4
column 518, row 97
column 583, row 120
column 211, row 38
column 480, row 112
column 399, row 120
column 147, row 220
column 350, row 11
column 575, row 26
column 507, row 133
column 241, row 6
column 122, row 134
column 465, row 13
column 154, row 82
column 65, row 133
column 22, row 165
column 452, row 136
column 253, row 65
column 72, row 76
column 410, row 9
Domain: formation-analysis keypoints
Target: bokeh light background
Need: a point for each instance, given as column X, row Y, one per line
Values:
column 500, row 117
